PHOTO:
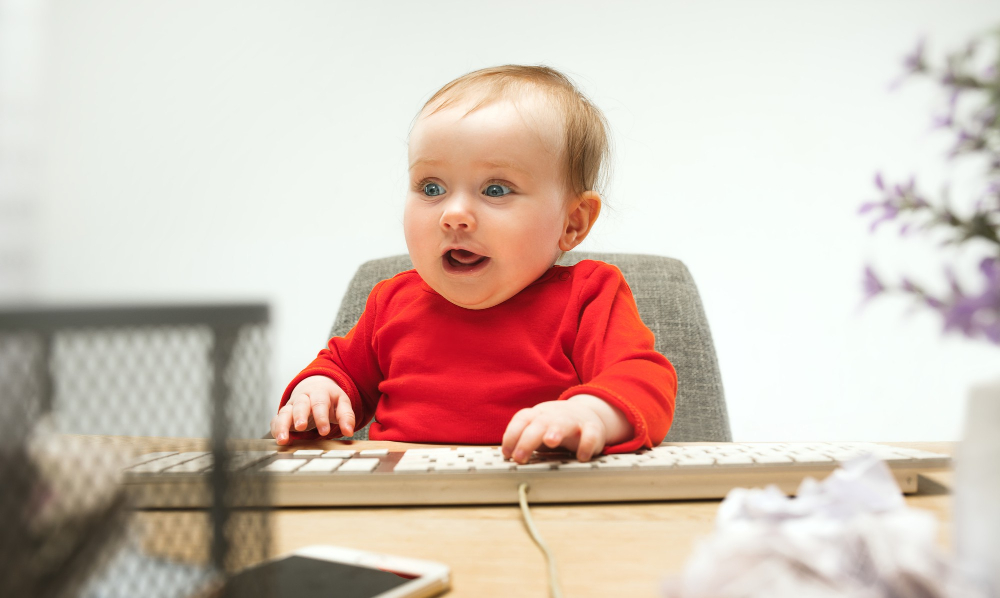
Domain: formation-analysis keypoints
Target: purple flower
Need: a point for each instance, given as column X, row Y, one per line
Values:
column 959, row 316
column 990, row 267
column 942, row 122
column 948, row 119
column 976, row 315
column 956, row 290
column 933, row 302
column 871, row 284
column 914, row 62
column 992, row 332
column 889, row 212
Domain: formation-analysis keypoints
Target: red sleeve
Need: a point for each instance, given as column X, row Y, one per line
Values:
column 350, row 362
column 615, row 358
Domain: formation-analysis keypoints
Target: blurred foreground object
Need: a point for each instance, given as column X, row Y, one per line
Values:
column 972, row 81
column 82, row 392
column 977, row 486
column 850, row 535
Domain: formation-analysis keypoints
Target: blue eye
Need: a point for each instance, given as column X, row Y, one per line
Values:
column 433, row 189
column 496, row 190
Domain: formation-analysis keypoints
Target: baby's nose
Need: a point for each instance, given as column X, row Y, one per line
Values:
column 457, row 215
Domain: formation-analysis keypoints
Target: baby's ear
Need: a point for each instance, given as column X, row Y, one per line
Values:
column 581, row 213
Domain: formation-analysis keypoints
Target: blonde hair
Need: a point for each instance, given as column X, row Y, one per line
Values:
column 588, row 148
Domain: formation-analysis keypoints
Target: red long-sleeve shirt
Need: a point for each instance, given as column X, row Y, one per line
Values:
column 431, row 371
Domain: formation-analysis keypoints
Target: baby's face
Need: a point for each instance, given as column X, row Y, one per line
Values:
column 488, row 199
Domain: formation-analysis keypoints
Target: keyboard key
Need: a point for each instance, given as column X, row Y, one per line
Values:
column 243, row 459
column 534, row 466
column 198, row 465
column 358, row 466
column 339, row 454
column 810, row 458
column 150, row 457
column 735, row 460
column 283, row 465
column 575, row 465
column 453, row 466
column 165, row 463
column 616, row 464
column 412, row 465
column 661, row 463
column 374, row 453
column 307, row 453
column 320, row 466
column 654, row 463
column 495, row 466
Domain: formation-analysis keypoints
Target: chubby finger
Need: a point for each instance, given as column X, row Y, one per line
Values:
column 280, row 425
column 562, row 433
column 591, row 441
column 345, row 416
column 321, row 415
column 301, row 412
column 531, row 439
column 513, row 432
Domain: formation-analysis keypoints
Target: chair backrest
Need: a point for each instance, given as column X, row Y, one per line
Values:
column 668, row 303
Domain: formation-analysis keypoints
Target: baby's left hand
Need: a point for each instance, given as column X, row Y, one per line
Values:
column 583, row 424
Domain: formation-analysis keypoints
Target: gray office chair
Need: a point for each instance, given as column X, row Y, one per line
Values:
column 668, row 303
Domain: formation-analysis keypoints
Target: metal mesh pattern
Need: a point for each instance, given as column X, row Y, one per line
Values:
column 84, row 392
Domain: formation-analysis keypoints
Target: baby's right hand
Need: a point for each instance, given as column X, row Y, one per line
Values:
column 313, row 402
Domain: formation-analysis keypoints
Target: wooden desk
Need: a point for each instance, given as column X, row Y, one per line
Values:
column 620, row 549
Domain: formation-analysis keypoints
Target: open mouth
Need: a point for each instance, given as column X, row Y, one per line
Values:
column 463, row 260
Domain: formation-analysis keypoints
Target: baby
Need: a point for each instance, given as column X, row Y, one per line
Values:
column 486, row 340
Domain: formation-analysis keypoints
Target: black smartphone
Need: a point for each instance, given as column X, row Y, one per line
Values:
column 333, row 571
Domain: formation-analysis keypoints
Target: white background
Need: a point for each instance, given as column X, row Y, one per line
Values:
column 234, row 150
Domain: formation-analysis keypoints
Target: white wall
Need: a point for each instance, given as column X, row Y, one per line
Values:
column 229, row 149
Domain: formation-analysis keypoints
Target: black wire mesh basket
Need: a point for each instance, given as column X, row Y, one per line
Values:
column 84, row 395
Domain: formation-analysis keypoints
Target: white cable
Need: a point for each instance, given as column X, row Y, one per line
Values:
column 522, row 495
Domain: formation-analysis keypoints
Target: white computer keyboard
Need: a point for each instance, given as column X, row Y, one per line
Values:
column 480, row 475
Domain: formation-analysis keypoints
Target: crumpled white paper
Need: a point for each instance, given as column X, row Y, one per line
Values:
column 850, row 535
